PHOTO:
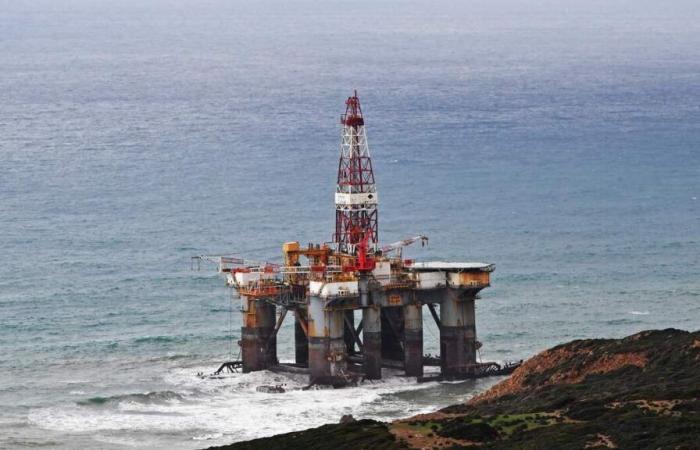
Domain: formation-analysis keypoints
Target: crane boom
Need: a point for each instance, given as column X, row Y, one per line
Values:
column 401, row 244
column 225, row 263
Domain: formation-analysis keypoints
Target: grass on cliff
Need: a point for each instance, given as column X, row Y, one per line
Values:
column 479, row 429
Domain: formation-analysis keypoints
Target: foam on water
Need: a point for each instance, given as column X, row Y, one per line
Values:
column 231, row 409
column 207, row 437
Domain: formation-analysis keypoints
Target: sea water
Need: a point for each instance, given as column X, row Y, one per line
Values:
column 558, row 140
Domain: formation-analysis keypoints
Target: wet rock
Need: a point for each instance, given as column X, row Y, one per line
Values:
column 347, row 418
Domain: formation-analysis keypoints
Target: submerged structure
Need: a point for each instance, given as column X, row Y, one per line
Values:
column 325, row 284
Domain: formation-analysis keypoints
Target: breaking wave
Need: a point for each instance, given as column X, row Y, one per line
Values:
column 231, row 409
column 161, row 397
column 159, row 339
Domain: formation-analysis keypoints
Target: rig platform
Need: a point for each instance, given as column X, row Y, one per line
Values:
column 324, row 284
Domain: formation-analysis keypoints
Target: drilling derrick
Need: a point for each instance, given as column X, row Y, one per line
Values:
column 356, row 193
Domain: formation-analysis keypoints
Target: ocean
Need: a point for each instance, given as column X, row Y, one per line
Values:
column 558, row 140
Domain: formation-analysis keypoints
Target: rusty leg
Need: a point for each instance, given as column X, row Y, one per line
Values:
column 457, row 336
column 258, row 345
column 327, row 350
column 413, row 340
column 372, row 342
column 301, row 342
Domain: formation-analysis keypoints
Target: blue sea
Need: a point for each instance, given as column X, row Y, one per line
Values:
column 559, row 140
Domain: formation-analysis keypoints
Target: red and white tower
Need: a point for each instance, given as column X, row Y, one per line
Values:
column 356, row 194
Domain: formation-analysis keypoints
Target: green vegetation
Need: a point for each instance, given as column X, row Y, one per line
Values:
column 362, row 434
column 481, row 429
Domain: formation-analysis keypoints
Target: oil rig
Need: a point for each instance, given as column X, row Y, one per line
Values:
column 323, row 284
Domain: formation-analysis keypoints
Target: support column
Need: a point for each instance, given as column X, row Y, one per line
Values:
column 372, row 342
column 301, row 342
column 258, row 345
column 457, row 335
column 327, row 351
column 413, row 340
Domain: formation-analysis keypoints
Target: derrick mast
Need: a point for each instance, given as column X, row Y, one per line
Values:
column 356, row 194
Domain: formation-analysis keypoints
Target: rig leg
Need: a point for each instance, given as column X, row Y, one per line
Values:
column 413, row 340
column 258, row 343
column 301, row 342
column 372, row 342
column 457, row 335
column 327, row 350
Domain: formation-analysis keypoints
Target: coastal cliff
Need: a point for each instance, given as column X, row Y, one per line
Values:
column 640, row 392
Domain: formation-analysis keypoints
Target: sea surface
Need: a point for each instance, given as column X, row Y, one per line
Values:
column 559, row 140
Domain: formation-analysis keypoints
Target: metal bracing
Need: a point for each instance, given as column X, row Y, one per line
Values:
column 353, row 333
column 434, row 313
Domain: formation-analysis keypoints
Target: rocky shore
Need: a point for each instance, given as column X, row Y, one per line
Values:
column 639, row 392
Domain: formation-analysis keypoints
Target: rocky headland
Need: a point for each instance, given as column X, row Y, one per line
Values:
column 639, row 392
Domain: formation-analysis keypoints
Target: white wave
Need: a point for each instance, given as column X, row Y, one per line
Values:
column 120, row 441
column 207, row 437
column 639, row 313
